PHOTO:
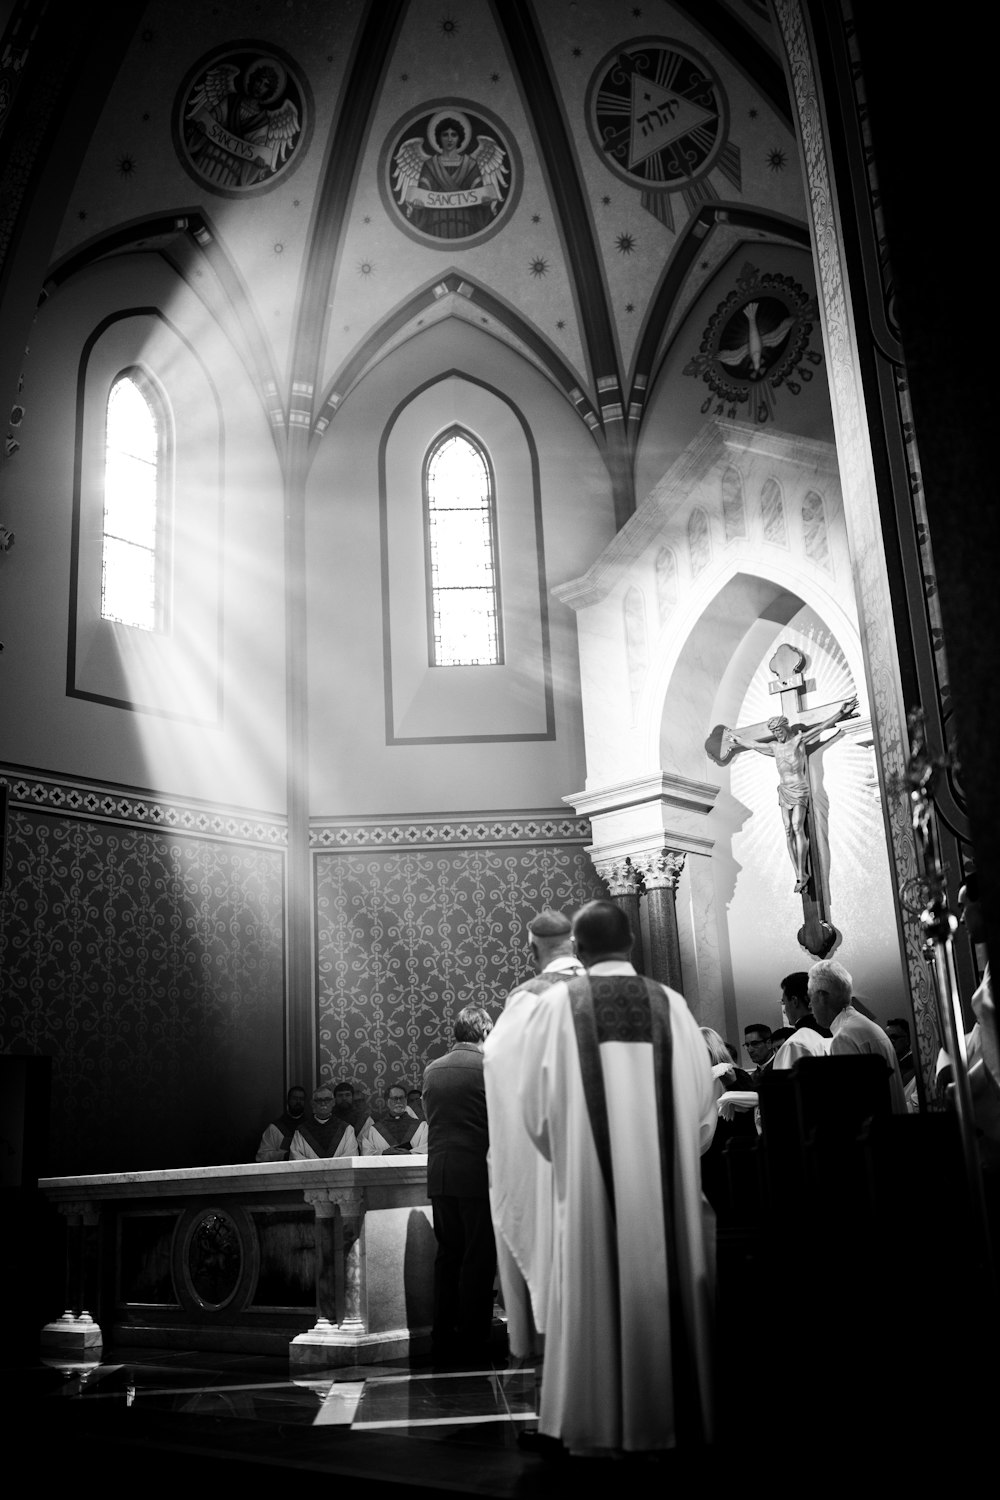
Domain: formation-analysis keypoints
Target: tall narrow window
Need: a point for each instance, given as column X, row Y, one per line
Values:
column 462, row 554
column 134, row 484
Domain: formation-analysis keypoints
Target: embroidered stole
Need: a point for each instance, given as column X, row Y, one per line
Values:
column 631, row 1008
column 397, row 1132
column 325, row 1138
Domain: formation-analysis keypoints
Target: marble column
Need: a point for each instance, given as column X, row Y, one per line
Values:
column 624, row 883
column 661, row 870
column 325, row 1251
column 340, row 1294
column 350, row 1261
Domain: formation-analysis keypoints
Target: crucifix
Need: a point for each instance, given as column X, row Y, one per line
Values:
column 789, row 746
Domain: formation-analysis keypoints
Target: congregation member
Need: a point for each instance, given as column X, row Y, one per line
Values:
column 457, row 1185
column 830, row 989
column 617, row 1093
column 809, row 1038
column 981, row 1043
column 760, row 1050
column 520, row 1178
column 322, row 1134
column 733, row 1124
column 398, row 1132
column 898, row 1032
column 276, row 1141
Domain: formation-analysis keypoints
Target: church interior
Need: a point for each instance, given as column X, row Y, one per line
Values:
column 664, row 288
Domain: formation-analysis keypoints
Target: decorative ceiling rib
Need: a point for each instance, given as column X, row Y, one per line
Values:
column 373, row 45
column 454, row 284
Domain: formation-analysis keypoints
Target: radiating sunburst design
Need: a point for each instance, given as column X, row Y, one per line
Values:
column 625, row 243
column 366, row 268
column 277, row 248
column 539, row 266
column 126, row 166
column 449, row 27
column 776, row 159
column 847, row 811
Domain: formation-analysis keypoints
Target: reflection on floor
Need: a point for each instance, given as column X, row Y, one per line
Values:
column 179, row 1417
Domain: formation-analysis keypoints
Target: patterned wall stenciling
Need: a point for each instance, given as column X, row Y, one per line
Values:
column 102, row 803
column 450, row 171
column 150, row 967
column 406, row 937
column 699, row 543
column 733, row 510
column 666, row 582
column 242, row 119
column 772, row 512
column 814, row 537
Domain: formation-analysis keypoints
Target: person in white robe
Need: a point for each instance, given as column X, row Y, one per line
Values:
column 398, row 1133
column 322, row 1135
column 830, row 991
column 617, row 1093
column 520, row 1177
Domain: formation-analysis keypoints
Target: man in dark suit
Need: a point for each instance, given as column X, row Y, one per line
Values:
column 457, row 1184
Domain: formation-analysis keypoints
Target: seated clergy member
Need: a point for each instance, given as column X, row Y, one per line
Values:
column 830, row 989
column 322, row 1134
column 277, row 1138
column 415, row 1101
column 348, row 1107
column 398, row 1133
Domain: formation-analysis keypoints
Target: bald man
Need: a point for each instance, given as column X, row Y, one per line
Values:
column 520, row 1178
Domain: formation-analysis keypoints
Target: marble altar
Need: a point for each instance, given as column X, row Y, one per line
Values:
column 329, row 1260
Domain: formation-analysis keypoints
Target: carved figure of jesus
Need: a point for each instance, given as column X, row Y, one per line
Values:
column 789, row 752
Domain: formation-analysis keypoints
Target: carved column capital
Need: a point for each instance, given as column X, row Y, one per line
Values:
column 619, row 875
column 324, row 1200
column 81, row 1213
column 661, row 868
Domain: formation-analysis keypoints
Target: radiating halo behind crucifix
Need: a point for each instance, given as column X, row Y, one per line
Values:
column 789, row 744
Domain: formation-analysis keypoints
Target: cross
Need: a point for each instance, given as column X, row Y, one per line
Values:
column 816, row 935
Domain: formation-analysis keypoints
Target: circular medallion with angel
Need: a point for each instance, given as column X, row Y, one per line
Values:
column 450, row 172
column 241, row 119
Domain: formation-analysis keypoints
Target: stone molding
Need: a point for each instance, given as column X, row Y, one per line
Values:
column 105, row 803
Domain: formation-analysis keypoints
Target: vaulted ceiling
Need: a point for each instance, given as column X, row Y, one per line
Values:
column 293, row 162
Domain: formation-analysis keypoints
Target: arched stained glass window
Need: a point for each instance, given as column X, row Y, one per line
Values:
column 460, row 509
column 134, row 485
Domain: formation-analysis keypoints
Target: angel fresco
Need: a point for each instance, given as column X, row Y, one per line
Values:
column 240, row 124
column 450, row 192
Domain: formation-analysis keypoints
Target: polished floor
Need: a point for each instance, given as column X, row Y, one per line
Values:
column 187, row 1422
column 184, row 1415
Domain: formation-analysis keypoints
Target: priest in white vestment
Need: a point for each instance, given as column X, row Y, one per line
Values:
column 520, row 1177
column 617, row 1093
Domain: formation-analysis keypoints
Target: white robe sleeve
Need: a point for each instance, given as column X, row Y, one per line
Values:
column 270, row 1145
